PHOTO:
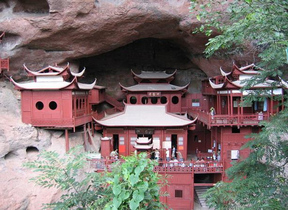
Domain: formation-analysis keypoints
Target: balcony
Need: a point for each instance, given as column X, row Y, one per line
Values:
column 171, row 167
column 229, row 120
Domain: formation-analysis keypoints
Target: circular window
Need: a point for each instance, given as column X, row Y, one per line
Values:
column 144, row 100
column 154, row 100
column 175, row 99
column 53, row 105
column 39, row 105
column 163, row 100
column 133, row 100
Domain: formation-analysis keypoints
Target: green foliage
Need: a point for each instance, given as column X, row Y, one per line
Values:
column 258, row 24
column 81, row 190
column 131, row 184
column 134, row 184
column 260, row 181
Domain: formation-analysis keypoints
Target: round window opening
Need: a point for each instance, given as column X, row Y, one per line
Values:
column 154, row 100
column 175, row 100
column 39, row 105
column 144, row 100
column 53, row 105
column 133, row 100
column 163, row 100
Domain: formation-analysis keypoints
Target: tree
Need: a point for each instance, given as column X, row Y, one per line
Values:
column 81, row 189
column 260, row 181
column 135, row 185
column 132, row 184
column 261, row 24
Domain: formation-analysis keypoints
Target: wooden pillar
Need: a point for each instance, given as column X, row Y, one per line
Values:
column 85, row 138
column 229, row 104
column 67, row 140
column 242, row 108
column 218, row 102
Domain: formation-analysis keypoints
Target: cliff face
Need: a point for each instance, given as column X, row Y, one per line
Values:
column 122, row 34
column 108, row 37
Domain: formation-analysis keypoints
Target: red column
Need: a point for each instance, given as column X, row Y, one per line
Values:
column 106, row 147
column 66, row 140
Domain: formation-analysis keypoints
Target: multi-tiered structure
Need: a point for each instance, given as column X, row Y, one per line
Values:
column 193, row 136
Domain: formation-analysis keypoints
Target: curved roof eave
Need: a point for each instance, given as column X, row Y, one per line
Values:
column 39, row 72
column 84, row 86
column 165, row 75
column 223, row 73
column 32, row 86
column 79, row 74
column 215, row 86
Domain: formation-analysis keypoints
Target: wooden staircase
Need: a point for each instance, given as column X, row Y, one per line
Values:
column 112, row 101
column 199, row 191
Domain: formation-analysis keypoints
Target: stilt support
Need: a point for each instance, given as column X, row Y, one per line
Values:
column 67, row 140
column 85, row 137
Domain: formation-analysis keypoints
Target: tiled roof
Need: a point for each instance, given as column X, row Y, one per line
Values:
column 145, row 116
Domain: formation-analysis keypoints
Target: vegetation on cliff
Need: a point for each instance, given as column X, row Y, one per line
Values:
column 260, row 181
column 130, row 185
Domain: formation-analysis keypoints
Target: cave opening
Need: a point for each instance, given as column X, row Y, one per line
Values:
column 142, row 55
column 10, row 155
column 32, row 6
column 31, row 149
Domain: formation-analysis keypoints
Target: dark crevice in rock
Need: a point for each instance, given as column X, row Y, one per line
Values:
column 142, row 55
column 31, row 6
column 10, row 38
column 10, row 155
column 31, row 149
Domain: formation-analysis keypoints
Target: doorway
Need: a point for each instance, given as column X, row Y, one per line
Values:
column 116, row 142
column 174, row 145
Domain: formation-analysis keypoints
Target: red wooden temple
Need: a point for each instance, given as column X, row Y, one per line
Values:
column 193, row 136
column 54, row 98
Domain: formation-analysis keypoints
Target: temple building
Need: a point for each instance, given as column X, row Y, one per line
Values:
column 193, row 136
column 53, row 97
column 153, row 110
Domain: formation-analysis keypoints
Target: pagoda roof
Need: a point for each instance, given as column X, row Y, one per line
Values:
column 53, row 78
column 239, row 77
column 153, row 74
column 153, row 87
column 229, row 84
column 145, row 116
column 52, row 83
column 53, row 71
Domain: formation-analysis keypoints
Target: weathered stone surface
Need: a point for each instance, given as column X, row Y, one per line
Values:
column 20, row 143
column 71, row 30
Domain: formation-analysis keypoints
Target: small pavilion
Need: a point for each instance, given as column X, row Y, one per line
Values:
column 54, row 98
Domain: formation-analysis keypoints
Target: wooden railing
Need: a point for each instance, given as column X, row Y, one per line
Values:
column 198, row 167
column 228, row 120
